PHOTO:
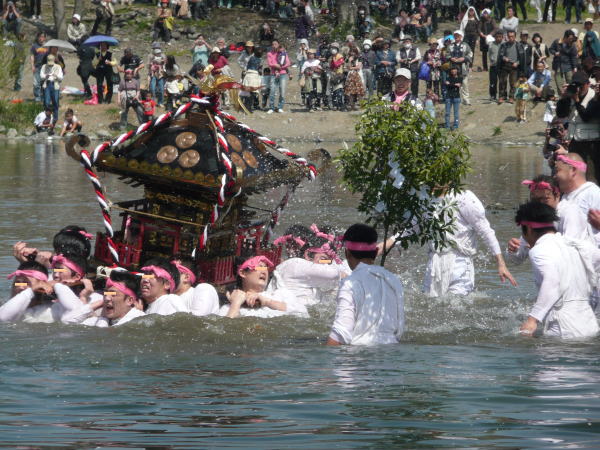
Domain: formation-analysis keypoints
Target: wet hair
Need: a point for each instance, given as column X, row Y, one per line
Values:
column 130, row 280
column 70, row 242
column 302, row 232
column 168, row 266
column 359, row 232
column 79, row 260
column 536, row 212
column 185, row 261
column 33, row 265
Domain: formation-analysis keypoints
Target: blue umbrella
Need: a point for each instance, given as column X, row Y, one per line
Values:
column 99, row 38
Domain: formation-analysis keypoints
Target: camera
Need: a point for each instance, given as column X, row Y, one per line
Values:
column 555, row 133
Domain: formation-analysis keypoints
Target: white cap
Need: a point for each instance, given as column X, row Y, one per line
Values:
column 459, row 32
column 77, row 16
column 367, row 42
column 404, row 72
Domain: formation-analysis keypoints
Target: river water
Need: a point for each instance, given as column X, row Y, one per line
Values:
column 461, row 378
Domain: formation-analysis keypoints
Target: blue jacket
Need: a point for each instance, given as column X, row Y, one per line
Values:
column 535, row 77
column 380, row 68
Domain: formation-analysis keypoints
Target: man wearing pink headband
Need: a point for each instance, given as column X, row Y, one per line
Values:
column 253, row 298
column 571, row 178
column 370, row 302
column 201, row 299
column 310, row 275
column 120, row 303
column 565, row 273
column 159, row 282
column 31, row 302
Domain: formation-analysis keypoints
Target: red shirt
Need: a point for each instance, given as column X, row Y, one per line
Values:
column 149, row 106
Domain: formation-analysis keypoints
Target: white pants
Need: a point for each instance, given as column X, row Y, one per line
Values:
column 538, row 7
column 574, row 320
column 461, row 278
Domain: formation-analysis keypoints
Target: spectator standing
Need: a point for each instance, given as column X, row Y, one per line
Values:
column 525, row 54
column 510, row 22
column 470, row 28
column 540, row 50
column 245, row 56
column 311, row 70
column 336, row 70
column 433, row 58
column 590, row 45
column 132, row 62
column 303, row 25
column 521, row 97
column 385, row 63
column 266, row 36
column 35, row 9
column 568, row 8
column 104, row 13
column 354, row 88
column 409, row 57
column 508, row 57
column 129, row 97
column 156, row 72
column 104, row 72
column 279, row 62
column 200, row 51
column 549, row 11
column 51, row 75
column 564, row 63
column 252, row 78
column 11, row 20
column 149, row 106
column 487, row 26
column 521, row 4
column 38, row 52
column 76, row 31
column 461, row 56
column 85, row 69
column 495, row 63
column 367, row 59
column 453, row 83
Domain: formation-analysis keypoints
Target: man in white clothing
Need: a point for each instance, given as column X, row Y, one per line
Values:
column 570, row 175
column 159, row 282
column 370, row 302
column 565, row 275
column 201, row 299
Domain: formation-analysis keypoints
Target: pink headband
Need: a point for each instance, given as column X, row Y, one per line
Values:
column 283, row 239
column 159, row 272
column 183, row 269
column 326, row 248
column 315, row 229
column 88, row 236
column 29, row 273
column 579, row 165
column 533, row 186
column 60, row 259
column 536, row 224
column 121, row 287
column 254, row 262
column 360, row 246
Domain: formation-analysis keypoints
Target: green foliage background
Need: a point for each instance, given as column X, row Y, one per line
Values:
column 429, row 158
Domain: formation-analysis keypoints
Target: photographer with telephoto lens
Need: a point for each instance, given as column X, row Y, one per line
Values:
column 129, row 97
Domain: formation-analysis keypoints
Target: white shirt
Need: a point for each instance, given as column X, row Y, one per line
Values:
column 306, row 279
column 294, row 307
column 17, row 308
column 370, row 307
column 103, row 322
column 166, row 305
column 563, row 275
column 201, row 300
column 586, row 196
column 308, row 63
column 40, row 118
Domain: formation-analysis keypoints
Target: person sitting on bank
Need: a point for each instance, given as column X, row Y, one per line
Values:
column 76, row 31
column 401, row 90
column 370, row 302
column 252, row 298
column 11, row 20
column 71, row 124
column 159, row 282
column 44, row 122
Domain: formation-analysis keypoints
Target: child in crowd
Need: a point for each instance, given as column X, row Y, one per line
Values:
column 550, row 110
column 521, row 97
column 44, row 122
column 71, row 124
column 266, row 90
column 430, row 101
column 173, row 92
column 148, row 105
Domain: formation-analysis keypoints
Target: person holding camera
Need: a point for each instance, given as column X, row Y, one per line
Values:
column 51, row 75
column 579, row 103
column 129, row 97
column 11, row 20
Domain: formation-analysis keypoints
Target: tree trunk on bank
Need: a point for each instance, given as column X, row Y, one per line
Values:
column 345, row 11
column 60, row 25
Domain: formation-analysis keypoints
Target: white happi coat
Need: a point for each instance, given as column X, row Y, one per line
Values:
column 201, row 300
column 370, row 307
column 103, row 322
column 166, row 305
column 306, row 279
column 17, row 308
column 565, row 275
column 451, row 269
column 586, row 196
column 294, row 307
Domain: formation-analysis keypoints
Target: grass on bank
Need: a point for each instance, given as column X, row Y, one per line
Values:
column 19, row 116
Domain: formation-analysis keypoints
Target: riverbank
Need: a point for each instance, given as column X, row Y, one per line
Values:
column 483, row 122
